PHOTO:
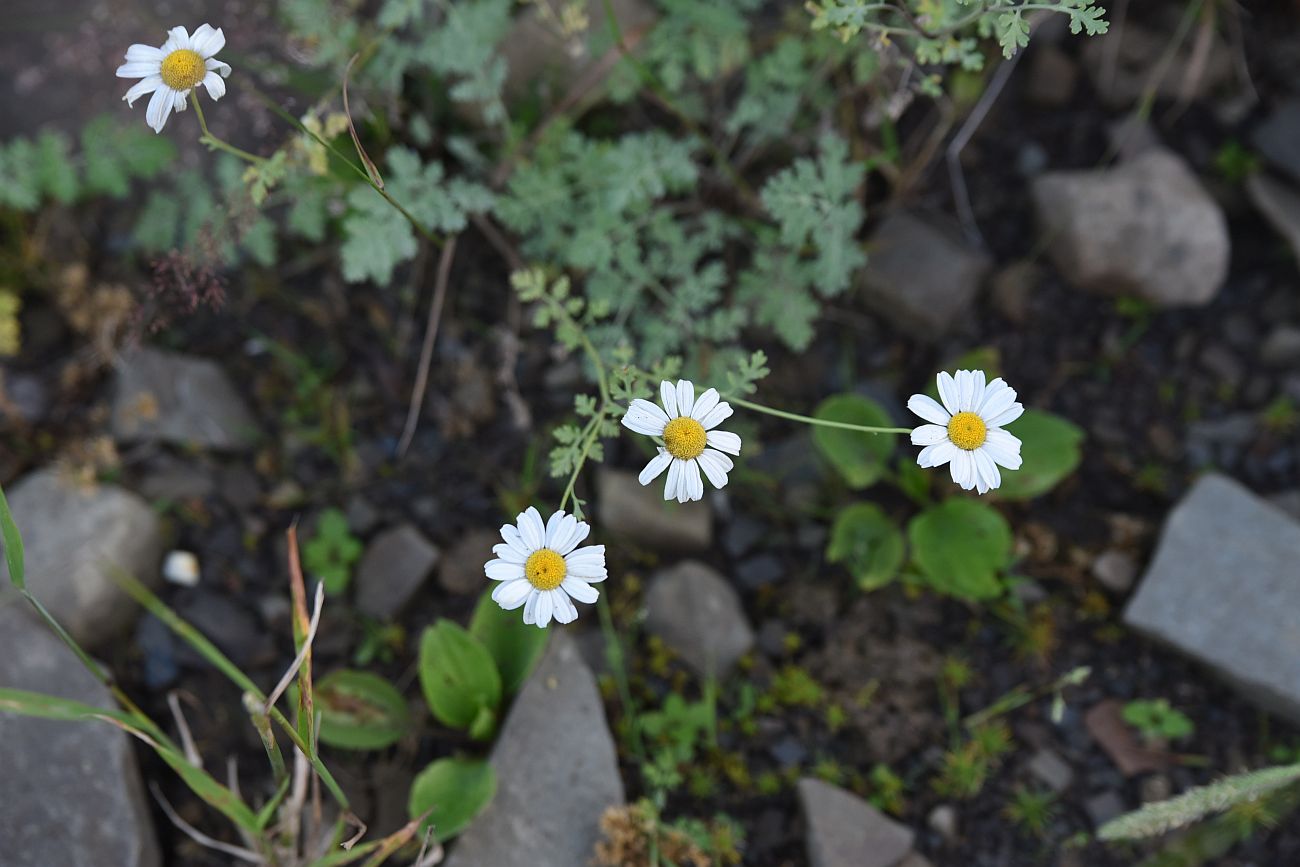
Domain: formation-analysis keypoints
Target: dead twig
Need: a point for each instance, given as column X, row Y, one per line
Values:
column 198, row 836
column 426, row 350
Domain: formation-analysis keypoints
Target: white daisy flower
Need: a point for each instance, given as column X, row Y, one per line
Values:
column 541, row 567
column 172, row 71
column 691, row 444
column 966, row 431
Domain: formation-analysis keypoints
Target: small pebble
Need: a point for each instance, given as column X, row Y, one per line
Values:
column 181, row 567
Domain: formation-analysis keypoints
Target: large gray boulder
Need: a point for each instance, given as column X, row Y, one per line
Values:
column 74, row 537
column 557, row 772
column 698, row 614
column 70, row 792
column 845, row 831
column 173, row 398
column 1224, row 589
column 1146, row 227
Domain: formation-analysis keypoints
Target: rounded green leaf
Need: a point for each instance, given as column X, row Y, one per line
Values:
column 1049, row 452
column 514, row 645
column 360, row 711
column 961, row 547
column 455, row 790
column 867, row 543
column 858, row 457
column 459, row 677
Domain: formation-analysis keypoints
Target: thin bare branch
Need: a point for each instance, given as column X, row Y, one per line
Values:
column 187, row 740
column 198, row 836
column 426, row 351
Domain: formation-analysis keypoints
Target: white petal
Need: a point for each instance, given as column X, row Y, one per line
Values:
column 160, row 108
column 580, row 590
column 724, row 441
column 685, row 397
column 503, row 570
column 704, row 404
column 552, row 524
column 565, row 529
column 588, row 564
column 543, row 610
column 668, row 395
column 580, row 531
column 530, row 607
column 515, row 540
column 936, row 455
column 140, row 52
column 207, row 41
column 1007, row 416
column 141, row 87
column 565, row 612
column 222, row 69
column 644, row 417
column 180, row 101
column 655, row 468
column 138, row 68
column 216, row 87
column 997, row 397
column 1003, row 448
column 674, row 479
column 716, row 465
column 507, row 553
column 962, row 469
column 693, row 488
column 929, row 434
column 948, row 392
column 987, row 469
column 511, row 594
column 179, row 37
column 972, row 389
column 531, row 528
column 717, row 416
column 928, row 408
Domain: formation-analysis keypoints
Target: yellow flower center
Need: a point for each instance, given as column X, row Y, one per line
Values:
column 685, row 438
column 545, row 569
column 183, row 69
column 967, row 431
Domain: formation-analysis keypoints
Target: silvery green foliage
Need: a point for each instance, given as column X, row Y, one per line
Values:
column 1194, row 804
column 939, row 30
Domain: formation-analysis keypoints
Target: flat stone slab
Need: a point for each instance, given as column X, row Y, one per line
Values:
column 557, row 772
column 845, row 831
column 639, row 512
column 1224, row 589
column 73, row 537
column 173, row 398
column 395, row 566
column 70, row 792
column 698, row 614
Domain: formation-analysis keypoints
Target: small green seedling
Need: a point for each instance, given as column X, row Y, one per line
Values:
column 330, row 554
column 1156, row 720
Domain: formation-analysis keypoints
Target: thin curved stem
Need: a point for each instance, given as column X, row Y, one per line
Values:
column 220, row 144
column 819, row 422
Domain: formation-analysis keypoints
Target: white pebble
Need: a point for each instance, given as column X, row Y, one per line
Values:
column 181, row 567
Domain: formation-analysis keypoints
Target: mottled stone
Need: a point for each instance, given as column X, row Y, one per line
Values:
column 698, row 614
column 557, row 772
column 1052, row 770
column 639, row 512
column 70, row 793
column 845, row 831
column 396, row 564
column 1146, row 227
column 461, row 570
column 172, row 398
column 75, row 537
column 1223, row 590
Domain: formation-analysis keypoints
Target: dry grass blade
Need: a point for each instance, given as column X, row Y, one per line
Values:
column 371, row 168
column 198, row 836
column 187, row 739
column 303, row 653
column 426, row 350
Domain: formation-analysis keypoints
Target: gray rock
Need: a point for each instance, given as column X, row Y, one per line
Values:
column 759, row 571
column 233, row 628
column 1146, row 227
column 22, row 397
column 70, row 793
column 1282, row 346
column 1279, row 202
column 1275, row 138
column 395, row 565
column 1116, row 570
column 943, row 821
column 462, row 568
column 172, row 398
column 74, row 537
column 921, row 275
column 639, row 512
column 1052, row 770
column 1104, row 806
column 846, row 831
column 557, row 772
column 1288, row 501
column 174, row 479
column 698, row 614
column 1222, row 589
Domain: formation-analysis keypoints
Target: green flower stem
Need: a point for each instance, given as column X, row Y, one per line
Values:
column 219, row 144
column 820, row 422
column 592, row 430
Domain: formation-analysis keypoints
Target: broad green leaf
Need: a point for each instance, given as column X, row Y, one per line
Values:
column 867, row 543
column 459, row 677
column 13, row 542
column 1049, row 451
column 859, row 457
column 456, row 790
column 515, row 646
column 360, row 711
column 961, row 546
